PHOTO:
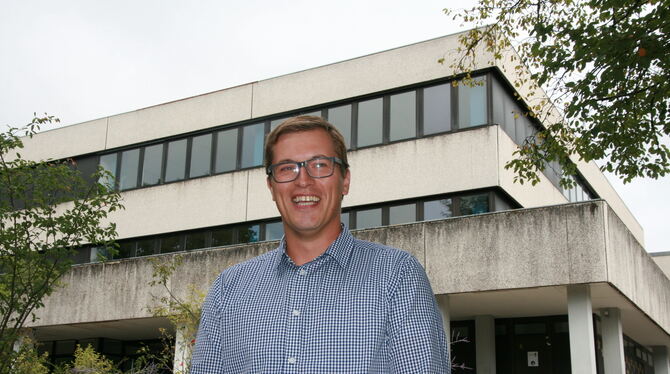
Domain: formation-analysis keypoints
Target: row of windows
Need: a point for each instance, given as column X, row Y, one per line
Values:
column 424, row 111
column 354, row 218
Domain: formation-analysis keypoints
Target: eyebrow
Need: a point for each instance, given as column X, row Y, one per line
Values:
column 312, row 157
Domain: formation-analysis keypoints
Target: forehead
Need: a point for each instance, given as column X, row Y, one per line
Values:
column 302, row 145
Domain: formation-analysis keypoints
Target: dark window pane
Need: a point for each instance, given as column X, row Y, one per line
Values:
column 370, row 122
column 472, row 103
column 252, row 145
column 274, row 230
column 340, row 117
column 65, row 347
column 403, row 116
column 344, row 217
column 201, row 155
column 171, row 243
column 176, row 160
column 151, row 167
column 226, row 150
column 498, row 96
column 402, row 214
column 145, row 247
column 87, row 166
column 474, row 204
column 108, row 162
column 437, row 109
column 437, row 209
column 196, row 240
column 222, row 237
column 126, row 250
column 129, row 166
column 248, row 233
column 276, row 122
column 368, row 218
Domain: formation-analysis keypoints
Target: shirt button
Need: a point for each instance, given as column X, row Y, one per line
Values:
column 302, row 272
column 296, row 312
column 291, row 360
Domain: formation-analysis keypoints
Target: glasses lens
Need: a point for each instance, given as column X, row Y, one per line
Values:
column 320, row 167
column 285, row 172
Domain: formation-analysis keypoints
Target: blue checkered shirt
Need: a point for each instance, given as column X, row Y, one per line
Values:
column 358, row 308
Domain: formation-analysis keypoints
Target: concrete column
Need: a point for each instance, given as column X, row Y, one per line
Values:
column 182, row 352
column 612, row 334
column 443, row 304
column 580, row 322
column 485, row 344
column 661, row 365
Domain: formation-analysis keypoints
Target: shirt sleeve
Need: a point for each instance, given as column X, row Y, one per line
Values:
column 207, row 355
column 417, row 342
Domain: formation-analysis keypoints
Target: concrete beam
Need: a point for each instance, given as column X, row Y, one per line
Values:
column 485, row 344
column 661, row 364
column 612, row 335
column 580, row 322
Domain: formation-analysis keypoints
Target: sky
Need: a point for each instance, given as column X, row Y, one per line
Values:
column 87, row 59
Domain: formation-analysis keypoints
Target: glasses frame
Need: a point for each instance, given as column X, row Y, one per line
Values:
column 301, row 165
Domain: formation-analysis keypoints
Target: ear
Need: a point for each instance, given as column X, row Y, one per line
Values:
column 345, row 182
column 272, row 191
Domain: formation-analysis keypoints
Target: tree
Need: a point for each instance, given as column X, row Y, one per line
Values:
column 606, row 71
column 48, row 210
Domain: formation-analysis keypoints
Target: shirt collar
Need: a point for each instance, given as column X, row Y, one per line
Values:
column 340, row 249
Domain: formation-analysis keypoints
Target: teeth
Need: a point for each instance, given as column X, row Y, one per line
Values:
column 304, row 199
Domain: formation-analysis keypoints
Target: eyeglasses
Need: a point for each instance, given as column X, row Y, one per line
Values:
column 317, row 167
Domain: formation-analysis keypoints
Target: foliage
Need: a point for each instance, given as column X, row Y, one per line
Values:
column 88, row 361
column 28, row 361
column 183, row 314
column 606, row 71
column 47, row 211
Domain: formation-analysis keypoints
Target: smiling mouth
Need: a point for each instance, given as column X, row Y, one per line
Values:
column 306, row 200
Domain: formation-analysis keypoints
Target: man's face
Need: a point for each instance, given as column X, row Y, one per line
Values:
column 309, row 206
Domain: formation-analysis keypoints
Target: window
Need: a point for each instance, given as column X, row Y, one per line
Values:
column 370, row 122
column 475, row 204
column 340, row 117
column 108, row 163
column 472, row 103
column 252, row 145
column 437, row 209
column 126, row 250
column 129, row 168
column 437, row 109
column 201, row 155
column 403, row 116
column 195, row 240
column 276, row 122
column 221, row 237
column 402, row 214
column 171, row 243
column 249, row 233
column 152, row 165
column 226, row 151
column 369, row 218
column 274, row 230
column 145, row 247
column 175, row 169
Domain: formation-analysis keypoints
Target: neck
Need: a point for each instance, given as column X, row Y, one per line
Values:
column 302, row 248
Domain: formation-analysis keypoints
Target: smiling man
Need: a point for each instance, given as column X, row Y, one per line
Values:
column 323, row 301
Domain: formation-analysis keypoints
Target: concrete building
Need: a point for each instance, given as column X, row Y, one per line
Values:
column 539, row 279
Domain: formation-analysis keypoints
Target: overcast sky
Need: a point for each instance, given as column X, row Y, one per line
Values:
column 81, row 60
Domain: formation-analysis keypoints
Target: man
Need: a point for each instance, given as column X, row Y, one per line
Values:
column 323, row 301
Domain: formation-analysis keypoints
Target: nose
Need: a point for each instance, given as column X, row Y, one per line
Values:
column 303, row 178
